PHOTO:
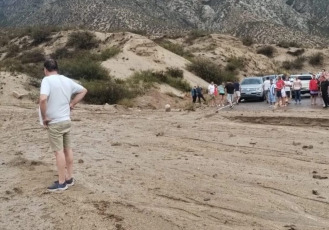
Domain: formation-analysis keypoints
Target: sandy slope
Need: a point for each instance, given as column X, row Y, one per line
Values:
column 177, row 170
column 139, row 53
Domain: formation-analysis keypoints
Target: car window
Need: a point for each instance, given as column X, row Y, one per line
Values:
column 305, row 78
column 251, row 81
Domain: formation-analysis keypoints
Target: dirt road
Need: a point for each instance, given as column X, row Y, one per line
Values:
column 149, row 169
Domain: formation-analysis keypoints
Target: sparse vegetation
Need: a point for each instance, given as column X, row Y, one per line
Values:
column 40, row 34
column 109, row 91
column 297, row 64
column 83, row 68
column 209, row 71
column 175, row 48
column 14, row 65
column 296, row 52
column 82, row 40
column 195, row 34
column 267, row 51
column 234, row 64
column 61, row 53
column 33, row 56
column 109, row 53
column 316, row 59
column 175, row 72
column 146, row 80
column 288, row 44
column 12, row 50
column 247, row 41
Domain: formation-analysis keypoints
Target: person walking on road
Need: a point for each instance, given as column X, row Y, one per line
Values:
column 221, row 91
column 211, row 92
column 230, row 93
column 55, row 106
column 237, row 91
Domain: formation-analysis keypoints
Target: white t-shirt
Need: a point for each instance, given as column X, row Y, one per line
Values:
column 267, row 84
column 287, row 85
column 59, row 90
column 211, row 89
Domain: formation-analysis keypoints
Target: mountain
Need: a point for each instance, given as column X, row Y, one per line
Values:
column 266, row 20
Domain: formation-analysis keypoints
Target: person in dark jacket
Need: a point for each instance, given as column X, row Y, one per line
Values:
column 200, row 94
column 194, row 94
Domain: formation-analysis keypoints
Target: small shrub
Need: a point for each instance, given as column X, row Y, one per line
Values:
column 61, row 53
column 267, row 51
column 288, row 44
column 127, row 102
column 12, row 50
column 146, row 80
column 209, row 71
column 297, row 52
column 176, row 48
column 14, row 65
column 40, row 34
column 33, row 56
column 4, row 40
column 82, row 40
column 101, row 92
column 316, row 59
column 35, row 82
column 195, row 34
column 83, row 68
column 247, row 41
column 109, row 53
column 175, row 72
column 297, row 64
column 234, row 64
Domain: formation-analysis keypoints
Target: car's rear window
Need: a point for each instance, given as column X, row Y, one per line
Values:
column 305, row 78
column 251, row 81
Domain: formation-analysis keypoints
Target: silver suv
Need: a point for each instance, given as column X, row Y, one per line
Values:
column 252, row 88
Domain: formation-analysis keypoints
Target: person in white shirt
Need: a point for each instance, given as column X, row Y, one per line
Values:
column 266, row 88
column 287, row 88
column 211, row 92
column 55, row 106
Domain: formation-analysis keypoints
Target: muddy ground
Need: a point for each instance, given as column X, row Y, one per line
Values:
column 148, row 169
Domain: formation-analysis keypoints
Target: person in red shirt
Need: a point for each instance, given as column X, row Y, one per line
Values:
column 279, row 87
column 314, row 90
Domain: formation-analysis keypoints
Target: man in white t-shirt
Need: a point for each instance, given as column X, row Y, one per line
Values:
column 266, row 87
column 211, row 92
column 55, row 106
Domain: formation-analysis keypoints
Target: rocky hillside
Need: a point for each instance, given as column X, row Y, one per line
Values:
column 267, row 21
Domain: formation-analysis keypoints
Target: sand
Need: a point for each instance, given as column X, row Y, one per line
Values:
column 148, row 169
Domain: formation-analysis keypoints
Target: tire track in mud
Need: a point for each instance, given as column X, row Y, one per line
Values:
column 281, row 120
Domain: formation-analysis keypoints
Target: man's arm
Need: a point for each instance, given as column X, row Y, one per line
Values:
column 78, row 97
column 43, row 109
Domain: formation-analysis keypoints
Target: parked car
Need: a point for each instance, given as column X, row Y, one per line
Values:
column 305, row 79
column 271, row 77
column 252, row 88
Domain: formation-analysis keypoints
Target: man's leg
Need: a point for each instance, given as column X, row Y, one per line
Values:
column 60, row 162
column 69, row 163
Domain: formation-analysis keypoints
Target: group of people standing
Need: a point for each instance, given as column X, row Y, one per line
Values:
column 219, row 95
column 279, row 92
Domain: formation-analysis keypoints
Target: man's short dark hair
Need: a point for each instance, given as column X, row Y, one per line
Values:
column 51, row 65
